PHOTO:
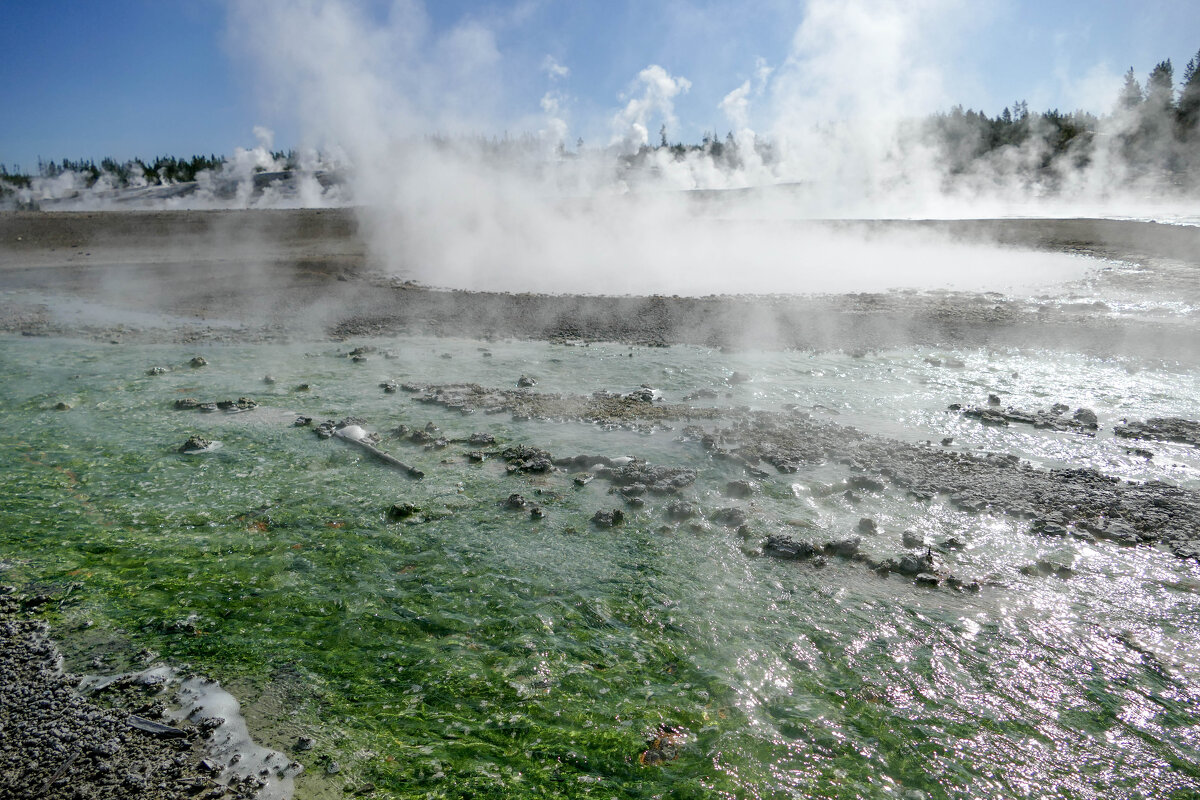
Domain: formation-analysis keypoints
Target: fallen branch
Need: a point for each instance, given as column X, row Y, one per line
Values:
column 386, row 458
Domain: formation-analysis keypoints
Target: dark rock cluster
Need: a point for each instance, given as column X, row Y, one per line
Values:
column 655, row 479
column 228, row 406
column 925, row 567
column 522, row 458
column 1055, row 418
column 1082, row 502
column 1165, row 429
column 195, row 444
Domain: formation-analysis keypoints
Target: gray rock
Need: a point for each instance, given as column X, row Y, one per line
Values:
column 400, row 511
column 1048, row 527
column 195, row 444
column 1166, row 429
column 608, row 519
column 740, row 488
column 680, row 510
column 731, row 517
column 779, row 546
column 845, row 548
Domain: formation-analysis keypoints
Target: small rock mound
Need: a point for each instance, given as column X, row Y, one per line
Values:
column 608, row 519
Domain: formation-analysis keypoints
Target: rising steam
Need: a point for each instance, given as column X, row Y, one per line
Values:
column 398, row 106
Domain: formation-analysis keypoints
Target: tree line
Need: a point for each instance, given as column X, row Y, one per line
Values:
column 161, row 171
column 1154, row 129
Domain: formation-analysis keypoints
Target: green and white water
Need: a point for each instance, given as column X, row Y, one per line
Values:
column 476, row 652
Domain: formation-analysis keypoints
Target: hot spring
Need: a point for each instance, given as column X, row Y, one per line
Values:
column 464, row 646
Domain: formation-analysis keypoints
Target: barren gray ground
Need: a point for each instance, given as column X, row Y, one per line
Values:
column 269, row 275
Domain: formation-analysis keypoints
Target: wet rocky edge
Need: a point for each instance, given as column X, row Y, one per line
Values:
column 1080, row 503
column 859, row 322
column 640, row 409
column 1163, row 429
column 113, row 744
column 1056, row 418
column 866, row 322
column 636, row 481
column 322, row 299
column 925, row 567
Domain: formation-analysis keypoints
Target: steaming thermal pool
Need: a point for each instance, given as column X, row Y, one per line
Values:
column 470, row 650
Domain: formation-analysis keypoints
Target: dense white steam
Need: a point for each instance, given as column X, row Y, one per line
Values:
column 252, row 178
column 407, row 112
column 659, row 90
column 528, row 214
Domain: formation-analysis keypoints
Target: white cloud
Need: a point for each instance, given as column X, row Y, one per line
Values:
column 554, row 69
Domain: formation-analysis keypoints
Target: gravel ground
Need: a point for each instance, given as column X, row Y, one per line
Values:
column 55, row 743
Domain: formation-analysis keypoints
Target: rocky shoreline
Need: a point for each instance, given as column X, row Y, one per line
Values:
column 1080, row 503
column 57, row 743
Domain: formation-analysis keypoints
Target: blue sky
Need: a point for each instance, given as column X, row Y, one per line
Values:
column 143, row 77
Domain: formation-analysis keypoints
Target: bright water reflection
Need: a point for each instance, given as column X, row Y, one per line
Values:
column 478, row 652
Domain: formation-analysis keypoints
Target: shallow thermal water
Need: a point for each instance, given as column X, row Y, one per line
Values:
column 472, row 651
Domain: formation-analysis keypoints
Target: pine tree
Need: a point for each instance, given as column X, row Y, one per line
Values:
column 1160, row 87
column 1131, row 93
column 1188, row 109
column 1157, row 124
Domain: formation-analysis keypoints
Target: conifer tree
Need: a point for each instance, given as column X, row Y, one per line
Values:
column 1188, row 109
column 1131, row 93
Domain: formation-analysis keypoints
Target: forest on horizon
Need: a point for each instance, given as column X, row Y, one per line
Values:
column 1153, row 129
